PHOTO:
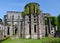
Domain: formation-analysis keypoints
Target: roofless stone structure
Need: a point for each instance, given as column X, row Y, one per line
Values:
column 31, row 23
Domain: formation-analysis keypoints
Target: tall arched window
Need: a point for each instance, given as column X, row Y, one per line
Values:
column 35, row 28
column 8, row 31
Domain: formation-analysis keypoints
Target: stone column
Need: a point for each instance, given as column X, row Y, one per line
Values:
column 26, row 27
column 33, row 23
column 39, row 27
column 32, row 26
column 12, row 32
column 49, row 25
column 42, row 25
column 4, row 28
column 19, row 25
column 23, row 29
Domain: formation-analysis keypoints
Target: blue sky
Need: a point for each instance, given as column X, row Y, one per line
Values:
column 47, row 6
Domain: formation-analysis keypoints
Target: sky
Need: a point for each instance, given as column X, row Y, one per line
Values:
column 46, row 6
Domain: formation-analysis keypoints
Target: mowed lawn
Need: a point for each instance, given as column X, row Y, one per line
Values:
column 43, row 40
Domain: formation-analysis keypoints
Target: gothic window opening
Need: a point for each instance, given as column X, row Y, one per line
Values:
column 8, row 31
column 15, row 30
column 29, row 29
column 52, row 32
column 29, row 17
column 35, row 28
column 35, row 17
column 46, row 32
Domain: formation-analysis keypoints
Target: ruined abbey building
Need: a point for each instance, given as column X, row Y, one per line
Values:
column 31, row 23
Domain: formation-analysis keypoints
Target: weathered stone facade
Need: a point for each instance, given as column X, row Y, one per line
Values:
column 30, row 25
column 34, row 26
column 13, row 20
column 1, row 31
column 49, row 29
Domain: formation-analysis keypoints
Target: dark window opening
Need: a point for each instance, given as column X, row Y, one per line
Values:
column 29, row 29
column 52, row 32
column 29, row 17
column 48, row 24
column 46, row 32
column 8, row 31
column 35, row 16
column 49, row 29
column 34, row 19
column 15, row 30
column 4, row 36
column 35, row 28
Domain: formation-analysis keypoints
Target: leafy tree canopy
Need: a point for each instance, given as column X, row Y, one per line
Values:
column 54, row 20
column 58, row 17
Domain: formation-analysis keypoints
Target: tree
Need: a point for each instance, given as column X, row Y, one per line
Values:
column 58, row 22
column 54, row 21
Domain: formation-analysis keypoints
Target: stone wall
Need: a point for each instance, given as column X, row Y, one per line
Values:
column 40, row 30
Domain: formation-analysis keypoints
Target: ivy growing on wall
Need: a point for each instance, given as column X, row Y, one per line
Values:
column 31, row 8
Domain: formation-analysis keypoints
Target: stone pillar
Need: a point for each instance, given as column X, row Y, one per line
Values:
column 32, row 27
column 23, row 29
column 42, row 24
column 33, row 23
column 26, row 27
column 4, row 28
column 40, row 28
column 12, row 32
column 49, row 25
column 19, row 25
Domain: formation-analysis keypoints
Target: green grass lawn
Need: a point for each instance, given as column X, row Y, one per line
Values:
column 43, row 40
